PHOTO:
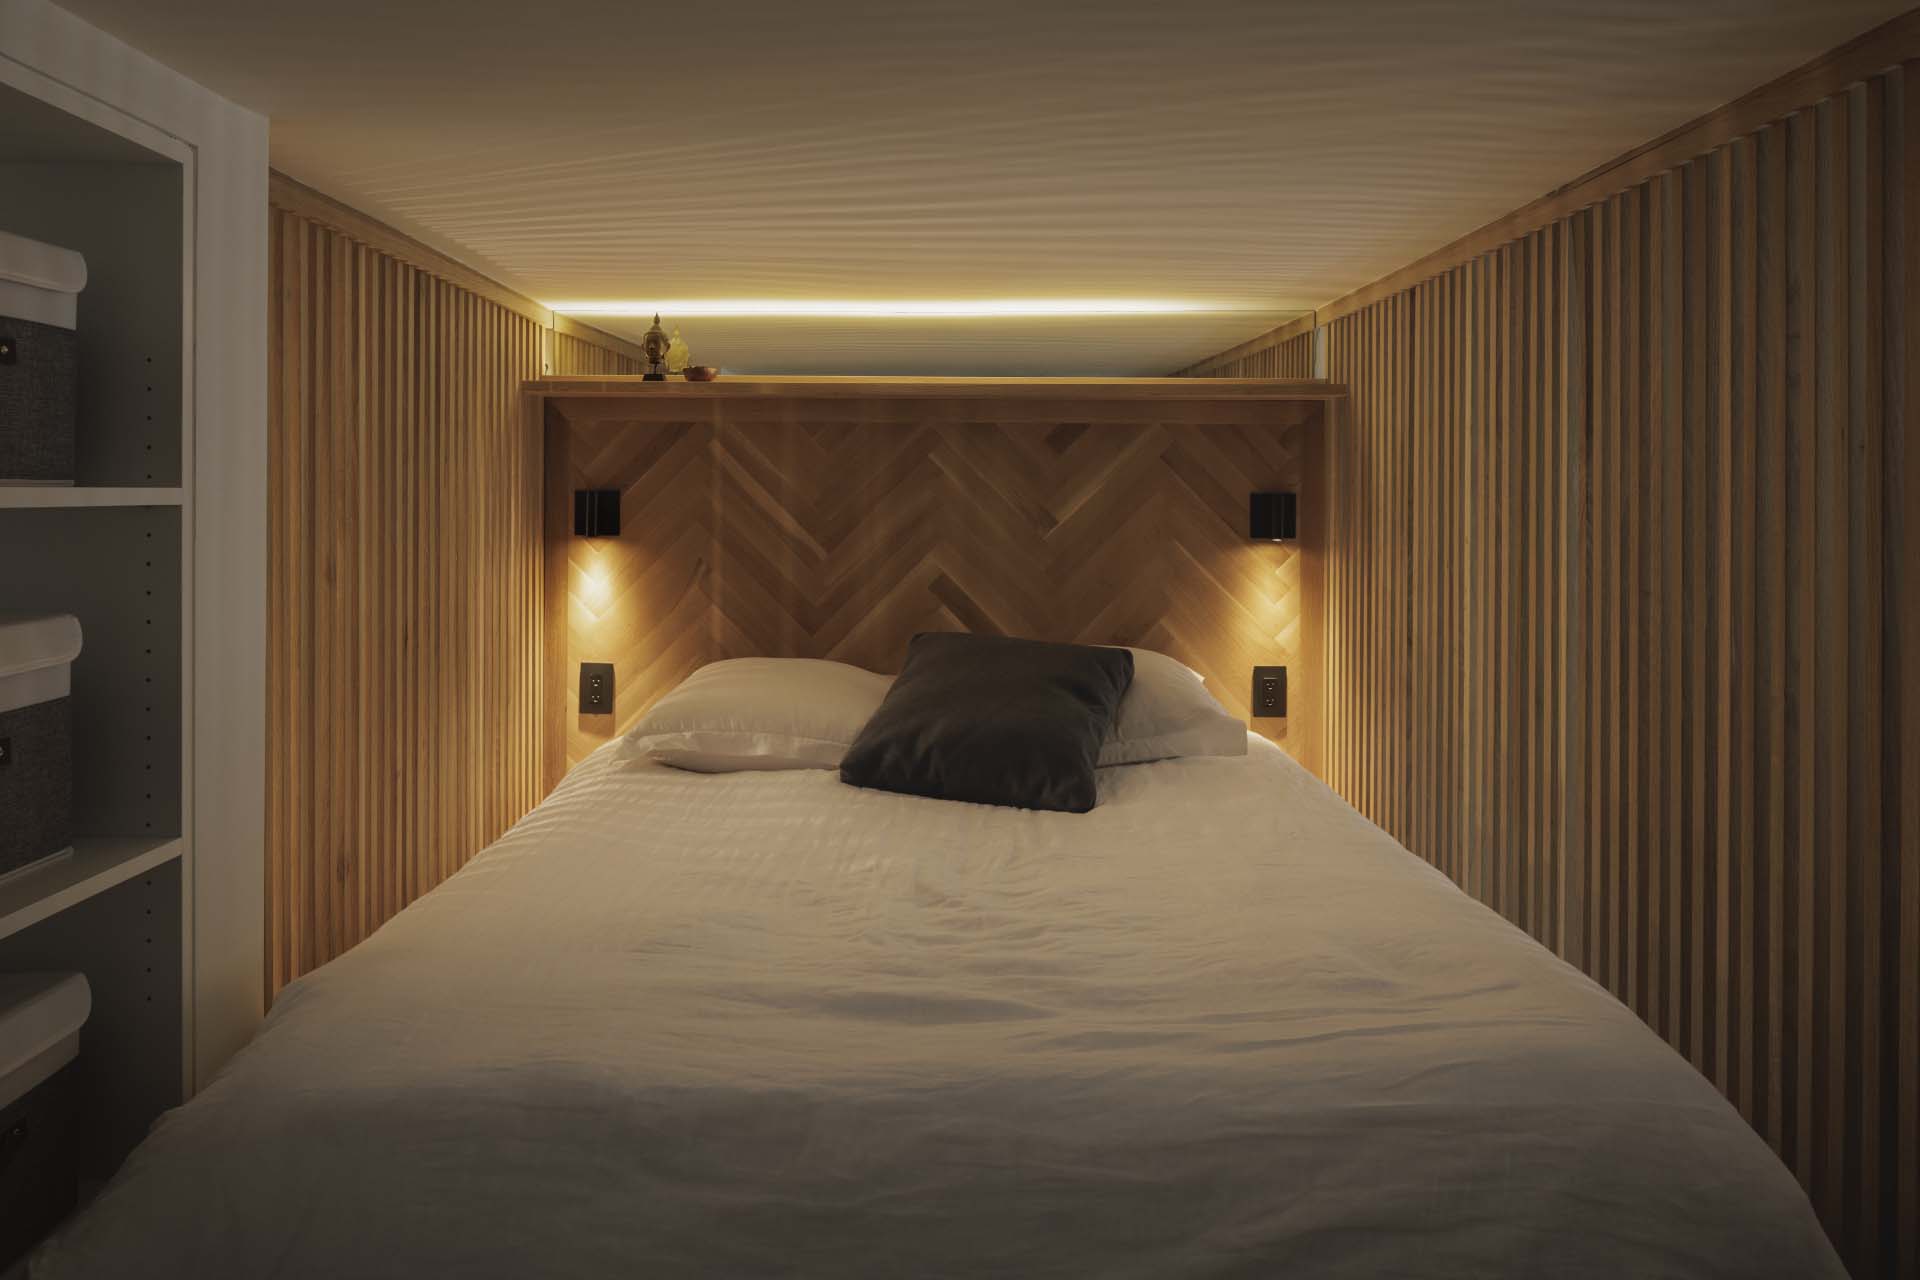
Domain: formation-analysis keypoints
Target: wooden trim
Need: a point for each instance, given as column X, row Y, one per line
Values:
column 1302, row 326
column 852, row 388
column 297, row 198
column 1878, row 50
column 1900, row 877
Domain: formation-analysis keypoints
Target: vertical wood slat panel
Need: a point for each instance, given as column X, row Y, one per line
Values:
column 405, row 555
column 576, row 356
column 1288, row 358
column 1618, row 604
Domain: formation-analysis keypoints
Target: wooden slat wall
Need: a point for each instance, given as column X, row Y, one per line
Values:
column 1621, row 596
column 1285, row 352
column 404, row 634
column 1288, row 358
column 579, row 356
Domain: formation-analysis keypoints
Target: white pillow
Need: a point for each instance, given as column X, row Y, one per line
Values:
column 760, row 713
column 1168, row 712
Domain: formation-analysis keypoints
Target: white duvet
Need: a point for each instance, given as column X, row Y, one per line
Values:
column 766, row 1024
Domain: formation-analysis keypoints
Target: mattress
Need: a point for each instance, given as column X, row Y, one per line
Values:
column 767, row 1024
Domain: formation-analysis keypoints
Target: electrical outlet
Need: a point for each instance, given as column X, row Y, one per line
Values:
column 596, row 688
column 1269, row 691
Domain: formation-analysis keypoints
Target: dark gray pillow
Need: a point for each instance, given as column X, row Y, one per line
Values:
column 993, row 720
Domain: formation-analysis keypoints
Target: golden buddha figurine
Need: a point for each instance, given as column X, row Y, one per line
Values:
column 655, row 345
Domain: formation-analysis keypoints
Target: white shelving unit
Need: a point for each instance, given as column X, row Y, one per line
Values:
column 32, row 497
column 115, row 549
column 158, row 548
column 97, row 864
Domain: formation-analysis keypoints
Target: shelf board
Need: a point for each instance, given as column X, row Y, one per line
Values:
column 42, row 496
column 737, row 387
column 96, row 864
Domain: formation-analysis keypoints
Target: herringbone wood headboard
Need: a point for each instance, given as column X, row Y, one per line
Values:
column 796, row 519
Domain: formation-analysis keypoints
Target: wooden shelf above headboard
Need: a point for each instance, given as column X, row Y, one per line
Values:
column 851, row 388
column 835, row 517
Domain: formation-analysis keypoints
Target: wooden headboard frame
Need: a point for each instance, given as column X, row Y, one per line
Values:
column 835, row 517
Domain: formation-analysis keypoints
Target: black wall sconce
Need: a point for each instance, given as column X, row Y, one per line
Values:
column 1273, row 517
column 596, row 513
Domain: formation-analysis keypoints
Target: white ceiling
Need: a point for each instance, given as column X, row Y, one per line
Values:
column 1248, row 157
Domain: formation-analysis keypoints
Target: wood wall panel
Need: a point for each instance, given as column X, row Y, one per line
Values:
column 1620, row 590
column 573, row 355
column 404, row 547
column 1285, row 353
column 838, row 530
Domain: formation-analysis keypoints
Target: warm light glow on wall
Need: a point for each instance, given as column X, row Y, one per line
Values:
column 842, row 309
column 596, row 588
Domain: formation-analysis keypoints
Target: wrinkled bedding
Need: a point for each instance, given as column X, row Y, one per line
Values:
column 768, row 1024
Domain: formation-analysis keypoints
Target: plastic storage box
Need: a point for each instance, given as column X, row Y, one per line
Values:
column 40, row 288
column 40, row 1019
column 36, row 737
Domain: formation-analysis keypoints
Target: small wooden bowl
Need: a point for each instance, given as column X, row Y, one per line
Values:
column 700, row 373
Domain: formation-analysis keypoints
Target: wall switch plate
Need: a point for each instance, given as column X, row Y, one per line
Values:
column 1269, row 691
column 596, row 688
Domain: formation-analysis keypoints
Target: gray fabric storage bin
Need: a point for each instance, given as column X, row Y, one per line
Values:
column 41, row 1015
column 39, row 359
column 36, row 737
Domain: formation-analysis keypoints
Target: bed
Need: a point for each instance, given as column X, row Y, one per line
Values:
column 766, row 1023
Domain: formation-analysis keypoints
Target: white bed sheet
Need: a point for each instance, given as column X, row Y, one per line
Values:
column 760, row 1023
